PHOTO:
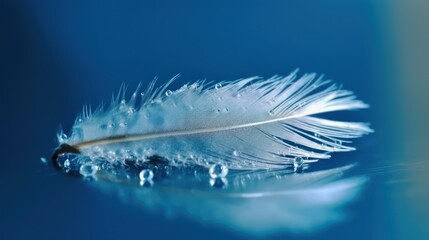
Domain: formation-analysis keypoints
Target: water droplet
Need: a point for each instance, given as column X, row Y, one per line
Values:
column 316, row 135
column 271, row 112
column 43, row 160
column 218, row 182
column 62, row 137
column 168, row 93
column 218, row 171
column 67, row 164
column 235, row 153
column 339, row 142
column 131, row 110
column 88, row 169
column 146, row 175
column 297, row 162
column 218, row 85
column 69, row 161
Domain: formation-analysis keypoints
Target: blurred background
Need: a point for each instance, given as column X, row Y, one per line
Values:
column 56, row 56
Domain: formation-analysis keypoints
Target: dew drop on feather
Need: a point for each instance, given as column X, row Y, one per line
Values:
column 62, row 138
column 235, row 153
column 218, row 85
column 218, row 170
column 88, row 169
column 146, row 175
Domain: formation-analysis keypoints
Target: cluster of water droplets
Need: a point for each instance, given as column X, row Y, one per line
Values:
column 77, row 164
column 146, row 172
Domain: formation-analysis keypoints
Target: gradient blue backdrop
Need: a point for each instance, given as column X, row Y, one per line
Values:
column 57, row 56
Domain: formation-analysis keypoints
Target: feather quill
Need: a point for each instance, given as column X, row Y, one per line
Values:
column 250, row 123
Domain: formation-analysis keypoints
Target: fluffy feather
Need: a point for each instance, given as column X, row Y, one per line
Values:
column 249, row 123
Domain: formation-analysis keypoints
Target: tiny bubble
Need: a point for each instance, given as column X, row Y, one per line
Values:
column 146, row 175
column 67, row 161
column 193, row 86
column 67, row 164
column 62, row 138
column 271, row 112
column 235, row 153
column 88, row 169
column 316, row 135
column 168, row 93
column 43, row 160
column 218, row 171
column 218, row 85
column 131, row 110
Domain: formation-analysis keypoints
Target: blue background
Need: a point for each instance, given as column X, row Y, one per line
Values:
column 57, row 56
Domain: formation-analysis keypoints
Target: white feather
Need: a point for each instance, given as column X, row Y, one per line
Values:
column 249, row 123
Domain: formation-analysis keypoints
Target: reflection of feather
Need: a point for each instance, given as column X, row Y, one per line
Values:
column 255, row 203
column 245, row 124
